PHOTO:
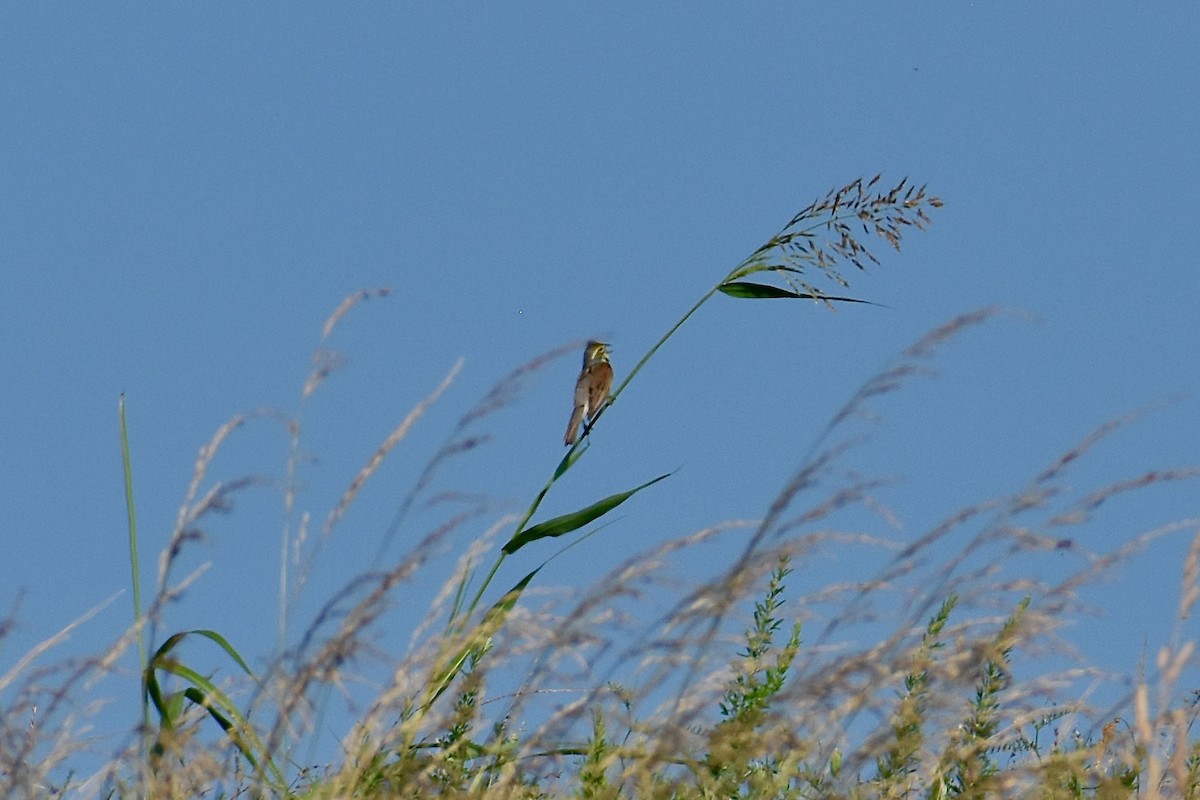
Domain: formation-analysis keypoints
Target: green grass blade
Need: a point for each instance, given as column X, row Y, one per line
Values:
column 224, row 645
column 135, row 571
column 763, row 291
column 130, row 508
column 573, row 521
column 203, row 692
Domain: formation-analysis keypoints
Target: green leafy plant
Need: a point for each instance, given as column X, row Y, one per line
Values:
column 736, row 759
column 901, row 758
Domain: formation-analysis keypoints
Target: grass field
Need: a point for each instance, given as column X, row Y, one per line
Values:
column 745, row 690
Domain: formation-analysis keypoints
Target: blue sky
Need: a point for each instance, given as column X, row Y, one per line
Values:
column 187, row 191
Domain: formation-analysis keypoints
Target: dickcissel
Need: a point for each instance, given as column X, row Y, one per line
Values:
column 592, row 388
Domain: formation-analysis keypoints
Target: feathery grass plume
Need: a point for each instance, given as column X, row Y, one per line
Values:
column 325, row 361
column 42, row 725
column 385, row 448
column 820, row 237
column 824, row 234
column 293, row 535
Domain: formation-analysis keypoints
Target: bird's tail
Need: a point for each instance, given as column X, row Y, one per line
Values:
column 573, row 425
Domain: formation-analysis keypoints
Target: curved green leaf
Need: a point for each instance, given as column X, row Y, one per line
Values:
column 763, row 291
column 573, row 521
column 204, row 693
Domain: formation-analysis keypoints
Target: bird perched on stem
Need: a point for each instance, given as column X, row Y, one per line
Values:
column 591, row 390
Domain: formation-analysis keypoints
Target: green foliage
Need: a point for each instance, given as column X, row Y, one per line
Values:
column 569, row 523
column 967, row 765
column 201, row 692
column 593, row 772
column 900, row 760
column 748, row 699
column 762, row 291
column 735, row 760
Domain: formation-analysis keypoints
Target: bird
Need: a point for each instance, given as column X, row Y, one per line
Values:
column 592, row 388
